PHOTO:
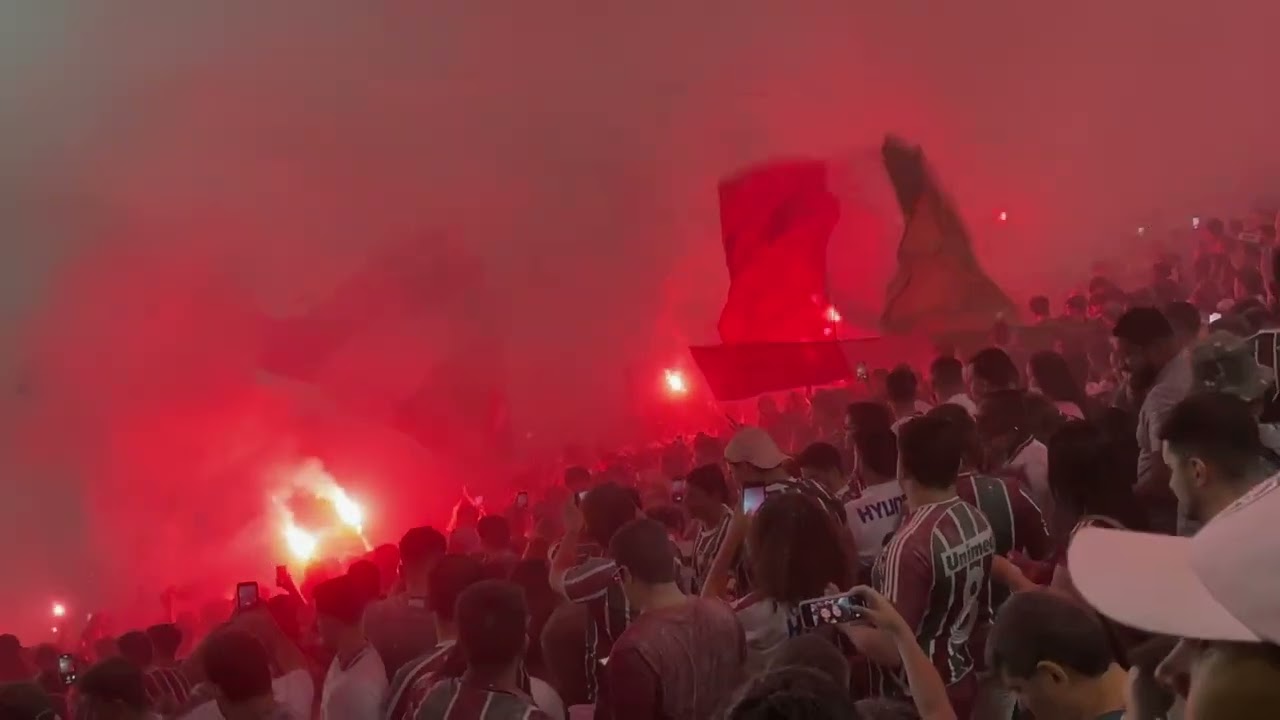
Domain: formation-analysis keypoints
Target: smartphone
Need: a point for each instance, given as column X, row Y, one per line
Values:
column 752, row 498
column 247, row 595
column 522, row 499
column 67, row 668
column 677, row 491
column 830, row 610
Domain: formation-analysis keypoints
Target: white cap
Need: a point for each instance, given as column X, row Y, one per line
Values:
column 754, row 446
column 1222, row 584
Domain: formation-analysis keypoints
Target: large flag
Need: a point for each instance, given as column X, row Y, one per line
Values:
column 938, row 287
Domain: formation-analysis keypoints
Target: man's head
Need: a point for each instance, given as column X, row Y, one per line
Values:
column 605, row 508
column 1039, row 307
column 1003, row 422
column 866, row 415
column 25, row 701
column 991, row 370
column 821, row 462
column 364, row 574
column 1145, row 343
column 796, row 693
column 113, row 690
column 1185, row 319
column 135, row 647
column 339, row 605
column 795, row 549
column 947, row 376
column 449, row 577
column 165, row 638
column 705, row 492
column 929, row 453
column 1210, row 443
column 493, row 625
column 1049, row 651
column 495, row 533
column 645, row 559
column 577, row 479
column 238, row 667
column 753, row 456
column 875, row 452
column 966, row 426
column 420, row 549
column 901, row 386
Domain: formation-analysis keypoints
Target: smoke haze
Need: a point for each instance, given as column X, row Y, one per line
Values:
column 169, row 171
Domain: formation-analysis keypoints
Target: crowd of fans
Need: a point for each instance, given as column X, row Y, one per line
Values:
column 1072, row 523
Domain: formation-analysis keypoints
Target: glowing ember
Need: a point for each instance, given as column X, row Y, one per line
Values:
column 302, row 544
column 833, row 315
column 675, row 382
column 1003, row 216
column 59, row 610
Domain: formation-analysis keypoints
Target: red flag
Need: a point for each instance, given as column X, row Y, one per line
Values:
column 939, row 285
column 776, row 220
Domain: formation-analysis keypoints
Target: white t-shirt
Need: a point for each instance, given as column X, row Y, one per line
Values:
column 963, row 401
column 294, row 690
column 873, row 516
column 355, row 693
column 1032, row 460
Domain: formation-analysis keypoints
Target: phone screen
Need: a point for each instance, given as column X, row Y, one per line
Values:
column 522, row 499
column 67, row 668
column 752, row 498
column 247, row 594
column 830, row 610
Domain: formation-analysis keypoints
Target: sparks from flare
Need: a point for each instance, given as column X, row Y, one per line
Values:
column 675, row 382
column 833, row 315
column 303, row 544
column 59, row 610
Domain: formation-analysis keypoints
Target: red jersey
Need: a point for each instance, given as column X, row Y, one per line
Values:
column 597, row 584
column 936, row 570
column 1015, row 519
column 453, row 699
column 411, row 682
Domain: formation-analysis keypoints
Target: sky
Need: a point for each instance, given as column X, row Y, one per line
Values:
column 171, row 169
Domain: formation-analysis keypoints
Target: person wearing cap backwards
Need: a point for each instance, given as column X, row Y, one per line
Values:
column 1219, row 591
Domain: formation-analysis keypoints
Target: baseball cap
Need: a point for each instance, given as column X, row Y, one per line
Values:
column 1225, row 363
column 754, row 446
column 1223, row 584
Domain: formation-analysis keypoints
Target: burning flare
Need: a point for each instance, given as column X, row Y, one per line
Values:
column 311, row 478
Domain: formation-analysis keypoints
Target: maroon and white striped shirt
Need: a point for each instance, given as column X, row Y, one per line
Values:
column 936, row 570
column 454, row 699
column 167, row 688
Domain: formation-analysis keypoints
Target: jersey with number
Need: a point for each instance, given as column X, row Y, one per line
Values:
column 936, row 570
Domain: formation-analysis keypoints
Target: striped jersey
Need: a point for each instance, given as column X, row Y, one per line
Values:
column 411, row 682
column 705, row 548
column 597, row 584
column 936, row 570
column 1015, row 519
column 454, row 699
column 166, row 687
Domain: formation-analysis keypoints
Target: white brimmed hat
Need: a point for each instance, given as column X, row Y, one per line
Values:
column 1222, row 584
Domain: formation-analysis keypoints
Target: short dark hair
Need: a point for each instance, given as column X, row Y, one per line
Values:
column 1039, row 305
column 869, row 414
column 367, row 579
column 798, row 693
column 26, row 701
column 643, row 548
column 1184, row 316
column 901, row 385
column 1219, row 428
column 135, row 647
column 964, row 424
column 931, row 449
column 237, row 664
column 493, row 623
column 494, row 531
column 421, row 545
column 1143, row 326
column 165, row 638
column 947, row 371
column 878, row 448
column 710, row 480
column 821, row 456
column 1041, row 626
column 342, row 599
column 795, row 549
column 448, row 579
column 1003, row 412
column 115, row 680
column 577, row 475
column 607, row 507
column 994, row 367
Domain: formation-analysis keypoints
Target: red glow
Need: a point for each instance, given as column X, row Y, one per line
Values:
column 833, row 315
column 59, row 610
column 1003, row 216
column 675, row 382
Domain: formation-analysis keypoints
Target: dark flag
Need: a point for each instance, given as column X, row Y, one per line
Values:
column 939, row 285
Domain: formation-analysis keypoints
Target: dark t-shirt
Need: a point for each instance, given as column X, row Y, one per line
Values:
column 680, row 662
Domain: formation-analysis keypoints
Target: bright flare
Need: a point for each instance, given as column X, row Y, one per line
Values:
column 59, row 610
column 348, row 510
column 675, row 382
column 302, row 544
column 1003, row 216
column 833, row 315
